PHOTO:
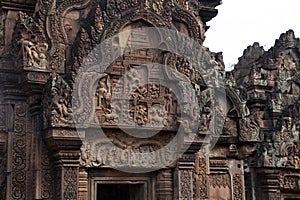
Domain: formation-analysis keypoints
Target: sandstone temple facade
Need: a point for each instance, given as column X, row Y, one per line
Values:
column 119, row 99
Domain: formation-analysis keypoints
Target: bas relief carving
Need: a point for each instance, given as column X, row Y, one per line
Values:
column 35, row 54
column 57, row 102
column 290, row 181
column 263, row 95
column 122, row 151
column 271, row 80
column 129, row 100
column 130, row 93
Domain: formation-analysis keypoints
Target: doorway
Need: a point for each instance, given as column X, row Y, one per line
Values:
column 108, row 184
column 119, row 191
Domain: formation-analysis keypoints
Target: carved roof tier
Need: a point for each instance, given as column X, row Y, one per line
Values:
column 271, row 81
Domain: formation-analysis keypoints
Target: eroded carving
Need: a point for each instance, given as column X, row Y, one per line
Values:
column 237, row 189
column 219, row 180
column 250, row 127
column 70, row 183
column 124, row 151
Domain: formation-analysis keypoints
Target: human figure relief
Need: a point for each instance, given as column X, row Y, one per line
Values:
column 142, row 115
column 35, row 54
column 103, row 93
column 59, row 104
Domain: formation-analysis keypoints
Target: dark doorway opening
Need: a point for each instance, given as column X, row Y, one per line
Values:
column 298, row 198
column 119, row 191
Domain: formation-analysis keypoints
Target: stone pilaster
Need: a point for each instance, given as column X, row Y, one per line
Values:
column 164, row 185
column 184, row 177
column 237, row 179
column 83, row 184
column 268, row 184
column 65, row 145
column 201, row 176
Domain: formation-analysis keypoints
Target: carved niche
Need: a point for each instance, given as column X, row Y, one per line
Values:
column 35, row 55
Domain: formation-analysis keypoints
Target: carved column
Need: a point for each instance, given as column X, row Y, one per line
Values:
column 201, row 176
column 83, row 184
column 268, row 184
column 16, row 164
column 220, row 183
column 183, row 177
column 164, row 186
column 237, row 179
column 65, row 145
column 3, row 150
column 34, row 147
